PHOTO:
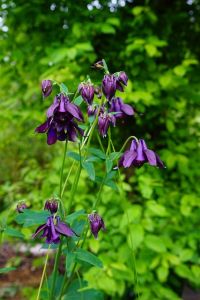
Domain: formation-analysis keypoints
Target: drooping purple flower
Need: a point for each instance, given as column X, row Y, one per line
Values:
column 87, row 92
column 96, row 224
column 138, row 154
column 48, row 231
column 21, row 207
column 52, row 231
column 62, row 104
column 60, row 126
column 105, row 119
column 109, row 86
column 122, row 79
column 51, row 205
column 46, row 87
column 120, row 109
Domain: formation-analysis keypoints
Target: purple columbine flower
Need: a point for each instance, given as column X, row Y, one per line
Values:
column 87, row 92
column 52, row 231
column 46, row 87
column 60, row 126
column 122, row 79
column 104, row 121
column 21, row 207
column 120, row 108
column 62, row 104
column 51, row 205
column 109, row 86
column 138, row 154
column 96, row 224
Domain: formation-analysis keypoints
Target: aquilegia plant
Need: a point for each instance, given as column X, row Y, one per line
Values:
column 58, row 226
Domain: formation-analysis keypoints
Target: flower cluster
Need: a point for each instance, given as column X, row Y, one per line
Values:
column 113, row 108
column 61, row 124
column 61, row 117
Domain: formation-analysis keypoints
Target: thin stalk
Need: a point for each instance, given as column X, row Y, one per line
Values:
column 131, row 238
column 62, row 168
column 55, row 270
column 43, row 274
column 100, row 143
column 67, row 178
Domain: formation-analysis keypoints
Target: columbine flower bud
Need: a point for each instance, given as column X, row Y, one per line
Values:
column 104, row 121
column 21, row 207
column 122, row 79
column 96, row 224
column 87, row 92
column 51, row 205
column 109, row 86
column 46, row 87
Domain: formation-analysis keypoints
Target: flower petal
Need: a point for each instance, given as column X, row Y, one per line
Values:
column 51, row 110
column 74, row 111
column 43, row 127
column 127, row 109
column 51, row 136
column 64, row 229
column 39, row 229
column 151, row 157
column 128, row 158
column 160, row 163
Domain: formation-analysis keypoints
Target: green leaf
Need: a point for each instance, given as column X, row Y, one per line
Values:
column 70, row 260
column 78, row 100
column 6, row 270
column 135, row 235
column 107, row 29
column 13, row 232
column 109, row 165
column 73, row 155
column 155, row 243
column 74, row 216
column 115, row 155
column 162, row 273
column 89, row 167
column 29, row 217
column 97, row 153
column 89, row 294
column 63, row 88
column 86, row 256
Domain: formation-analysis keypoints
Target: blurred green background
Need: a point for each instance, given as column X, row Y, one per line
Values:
column 157, row 44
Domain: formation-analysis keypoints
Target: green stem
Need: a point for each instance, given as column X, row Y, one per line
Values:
column 67, row 178
column 128, row 139
column 55, row 270
column 62, row 168
column 131, row 238
column 43, row 274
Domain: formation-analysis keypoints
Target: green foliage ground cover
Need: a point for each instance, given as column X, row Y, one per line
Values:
column 157, row 217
